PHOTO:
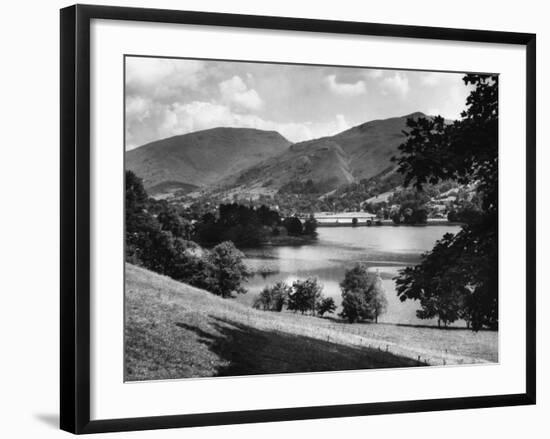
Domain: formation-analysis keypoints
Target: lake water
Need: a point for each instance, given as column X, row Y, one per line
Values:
column 336, row 249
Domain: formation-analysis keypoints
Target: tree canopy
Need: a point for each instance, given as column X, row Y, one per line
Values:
column 305, row 295
column 226, row 270
column 458, row 278
column 160, row 243
column 363, row 297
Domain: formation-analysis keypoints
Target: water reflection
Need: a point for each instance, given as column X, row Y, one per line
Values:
column 337, row 248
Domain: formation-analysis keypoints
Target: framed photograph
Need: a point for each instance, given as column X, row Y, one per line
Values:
column 268, row 218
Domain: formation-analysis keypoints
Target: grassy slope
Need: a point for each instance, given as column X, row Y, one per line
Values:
column 173, row 331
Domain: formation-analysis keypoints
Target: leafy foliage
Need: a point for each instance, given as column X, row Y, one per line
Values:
column 377, row 298
column 247, row 225
column 363, row 297
column 458, row 278
column 293, row 226
column 226, row 270
column 172, row 222
column 326, row 305
column 310, row 226
column 273, row 298
column 411, row 206
column 305, row 295
column 159, row 244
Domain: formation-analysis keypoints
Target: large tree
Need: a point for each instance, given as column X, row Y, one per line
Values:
column 363, row 296
column 377, row 297
column 305, row 295
column 459, row 277
column 226, row 270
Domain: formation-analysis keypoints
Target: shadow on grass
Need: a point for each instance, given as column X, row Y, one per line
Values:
column 341, row 321
column 445, row 328
column 246, row 350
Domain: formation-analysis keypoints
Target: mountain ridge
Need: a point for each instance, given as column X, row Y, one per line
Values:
column 363, row 151
column 204, row 157
column 252, row 161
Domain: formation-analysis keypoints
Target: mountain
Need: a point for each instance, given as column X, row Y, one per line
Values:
column 202, row 158
column 360, row 152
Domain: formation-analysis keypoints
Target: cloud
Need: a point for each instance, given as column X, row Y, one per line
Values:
column 148, row 121
column 341, row 123
column 375, row 74
column 431, row 79
column 175, row 119
column 345, row 89
column 234, row 91
column 160, row 78
column 137, row 108
column 397, row 84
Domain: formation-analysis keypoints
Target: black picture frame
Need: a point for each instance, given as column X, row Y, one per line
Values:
column 75, row 217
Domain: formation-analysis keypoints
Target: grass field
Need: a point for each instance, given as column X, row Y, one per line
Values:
column 173, row 330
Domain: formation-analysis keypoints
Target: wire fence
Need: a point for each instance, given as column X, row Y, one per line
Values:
column 346, row 334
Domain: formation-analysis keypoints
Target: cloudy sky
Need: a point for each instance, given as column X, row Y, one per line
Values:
column 167, row 97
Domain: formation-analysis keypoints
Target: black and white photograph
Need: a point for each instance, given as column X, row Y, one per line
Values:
column 256, row 219
column 295, row 218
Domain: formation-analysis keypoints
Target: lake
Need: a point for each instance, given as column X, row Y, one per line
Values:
column 386, row 249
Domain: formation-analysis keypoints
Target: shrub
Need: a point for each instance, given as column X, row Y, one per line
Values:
column 273, row 298
column 326, row 305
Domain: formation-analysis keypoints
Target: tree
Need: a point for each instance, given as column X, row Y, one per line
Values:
column 241, row 224
column 171, row 221
column 310, row 226
column 460, row 275
column 409, row 206
column 355, row 287
column 187, row 264
column 354, row 306
column 363, row 295
column 293, row 226
column 305, row 295
column 146, row 243
column 326, row 305
column 226, row 270
column 136, row 197
column 376, row 297
column 273, row 298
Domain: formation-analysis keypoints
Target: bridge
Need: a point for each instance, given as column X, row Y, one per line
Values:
column 345, row 218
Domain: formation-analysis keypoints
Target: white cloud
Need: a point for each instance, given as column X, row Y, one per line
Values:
column 161, row 78
column 341, row 123
column 397, row 83
column 235, row 91
column 431, row 79
column 198, row 115
column 345, row 89
column 375, row 74
column 137, row 108
column 175, row 119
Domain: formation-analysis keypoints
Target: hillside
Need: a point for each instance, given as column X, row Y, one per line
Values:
column 201, row 158
column 173, row 330
column 361, row 152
